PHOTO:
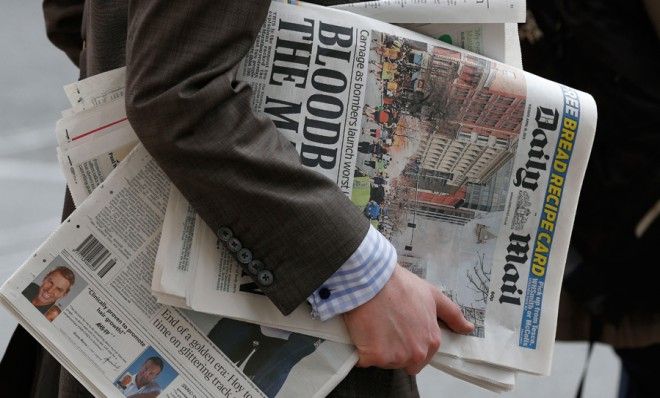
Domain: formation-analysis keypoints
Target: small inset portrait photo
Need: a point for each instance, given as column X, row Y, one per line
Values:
column 147, row 376
column 54, row 288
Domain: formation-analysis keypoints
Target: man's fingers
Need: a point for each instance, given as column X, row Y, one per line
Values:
column 451, row 314
column 398, row 328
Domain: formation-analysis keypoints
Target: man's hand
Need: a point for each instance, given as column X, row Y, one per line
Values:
column 398, row 328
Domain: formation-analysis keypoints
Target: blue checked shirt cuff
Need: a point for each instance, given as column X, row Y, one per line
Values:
column 358, row 280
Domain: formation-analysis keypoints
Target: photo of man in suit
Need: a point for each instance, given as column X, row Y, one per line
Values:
column 265, row 355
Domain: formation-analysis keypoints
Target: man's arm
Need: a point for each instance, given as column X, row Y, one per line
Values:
column 241, row 175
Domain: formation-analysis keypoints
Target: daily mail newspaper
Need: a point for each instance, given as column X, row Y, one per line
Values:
column 113, row 144
column 470, row 167
column 117, row 139
column 499, row 41
column 110, row 122
column 441, row 11
column 84, row 295
column 495, row 40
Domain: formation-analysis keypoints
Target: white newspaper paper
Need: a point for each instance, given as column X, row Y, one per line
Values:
column 84, row 295
column 72, row 129
column 88, row 163
column 94, row 135
column 176, row 249
column 106, row 88
column 498, row 41
column 475, row 373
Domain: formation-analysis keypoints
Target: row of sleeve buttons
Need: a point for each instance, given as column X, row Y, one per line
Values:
column 244, row 256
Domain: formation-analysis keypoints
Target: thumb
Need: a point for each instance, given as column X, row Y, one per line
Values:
column 451, row 313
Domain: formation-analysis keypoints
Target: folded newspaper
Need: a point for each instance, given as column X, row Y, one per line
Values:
column 102, row 89
column 107, row 137
column 107, row 329
column 276, row 361
column 497, row 40
column 470, row 167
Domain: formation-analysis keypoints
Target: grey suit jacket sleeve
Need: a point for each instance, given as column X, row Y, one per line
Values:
column 232, row 165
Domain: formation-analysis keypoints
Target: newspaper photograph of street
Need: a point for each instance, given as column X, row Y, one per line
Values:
column 439, row 136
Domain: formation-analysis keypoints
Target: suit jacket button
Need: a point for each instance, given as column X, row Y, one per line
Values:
column 265, row 277
column 225, row 234
column 255, row 266
column 244, row 256
column 234, row 245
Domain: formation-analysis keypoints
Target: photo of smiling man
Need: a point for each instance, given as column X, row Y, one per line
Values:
column 49, row 290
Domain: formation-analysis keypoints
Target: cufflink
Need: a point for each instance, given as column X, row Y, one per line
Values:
column 324, row 293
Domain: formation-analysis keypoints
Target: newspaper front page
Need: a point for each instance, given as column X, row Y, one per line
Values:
column 497, row 41
column 174, row 263
column 85, row 296
column 470, row 167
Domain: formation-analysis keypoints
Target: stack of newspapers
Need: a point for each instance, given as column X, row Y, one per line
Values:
column 470, row 166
